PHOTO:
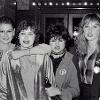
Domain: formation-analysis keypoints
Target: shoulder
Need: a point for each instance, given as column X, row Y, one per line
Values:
column 68, row 56
column 69, row 60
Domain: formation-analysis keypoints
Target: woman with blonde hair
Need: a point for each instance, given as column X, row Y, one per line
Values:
column 89, row 57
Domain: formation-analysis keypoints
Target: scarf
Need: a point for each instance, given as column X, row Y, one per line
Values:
column 58, row 53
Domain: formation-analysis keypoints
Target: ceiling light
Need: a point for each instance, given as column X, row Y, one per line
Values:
column 79, row 3
column 14, row 3
column 98, row 3
column 56, row 4
column 62, row 4
column 74, row 3
column 67, row 3
column 85, row 3
column 91, row 3
column 34, row 4
column 45, row 3
column 50, row 3
column 39, row 4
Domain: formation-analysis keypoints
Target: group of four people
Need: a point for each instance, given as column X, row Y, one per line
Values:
column 32, row 71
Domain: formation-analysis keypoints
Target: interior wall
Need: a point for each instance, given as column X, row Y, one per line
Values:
column 39, row 14
column 1, row 10
column 67, row 14
column 10, row 12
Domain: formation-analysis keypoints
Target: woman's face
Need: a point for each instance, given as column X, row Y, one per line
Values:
column 91, row 30
column 57, row 44
column 6, row 33
column 26, row 38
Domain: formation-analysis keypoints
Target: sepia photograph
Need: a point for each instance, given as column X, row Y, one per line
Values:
column 49, row 50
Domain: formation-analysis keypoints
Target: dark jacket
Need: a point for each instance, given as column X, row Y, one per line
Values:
column 88, row 91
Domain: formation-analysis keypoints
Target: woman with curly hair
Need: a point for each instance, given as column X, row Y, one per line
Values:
column 89, row 56
column 24, row 76
column 66, row 85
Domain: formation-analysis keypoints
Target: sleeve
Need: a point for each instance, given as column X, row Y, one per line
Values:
column 46, row 47
column 3, row 88
column 49, row 69
column 4, row 70
column 73, row 87
column 39, row 86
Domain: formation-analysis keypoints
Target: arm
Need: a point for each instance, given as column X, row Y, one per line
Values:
column 52, row 90
column 40, row 49
column 73, row 87
column 48, row 69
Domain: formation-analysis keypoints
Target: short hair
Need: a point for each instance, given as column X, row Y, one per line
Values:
column 57, row 30
column 6, row 20
column 23, row 25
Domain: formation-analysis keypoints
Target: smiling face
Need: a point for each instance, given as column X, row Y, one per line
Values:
column 6, row 33
column 91, row 30
column 57, row 44
column 26, row 38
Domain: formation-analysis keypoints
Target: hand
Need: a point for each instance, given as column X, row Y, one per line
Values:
column 53, row 91
column 17, row 54
column 10, row 53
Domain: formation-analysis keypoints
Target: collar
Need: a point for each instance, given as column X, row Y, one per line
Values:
column 59, row 54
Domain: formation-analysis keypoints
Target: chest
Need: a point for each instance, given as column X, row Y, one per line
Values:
column 90, row 63
column 62, row 76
